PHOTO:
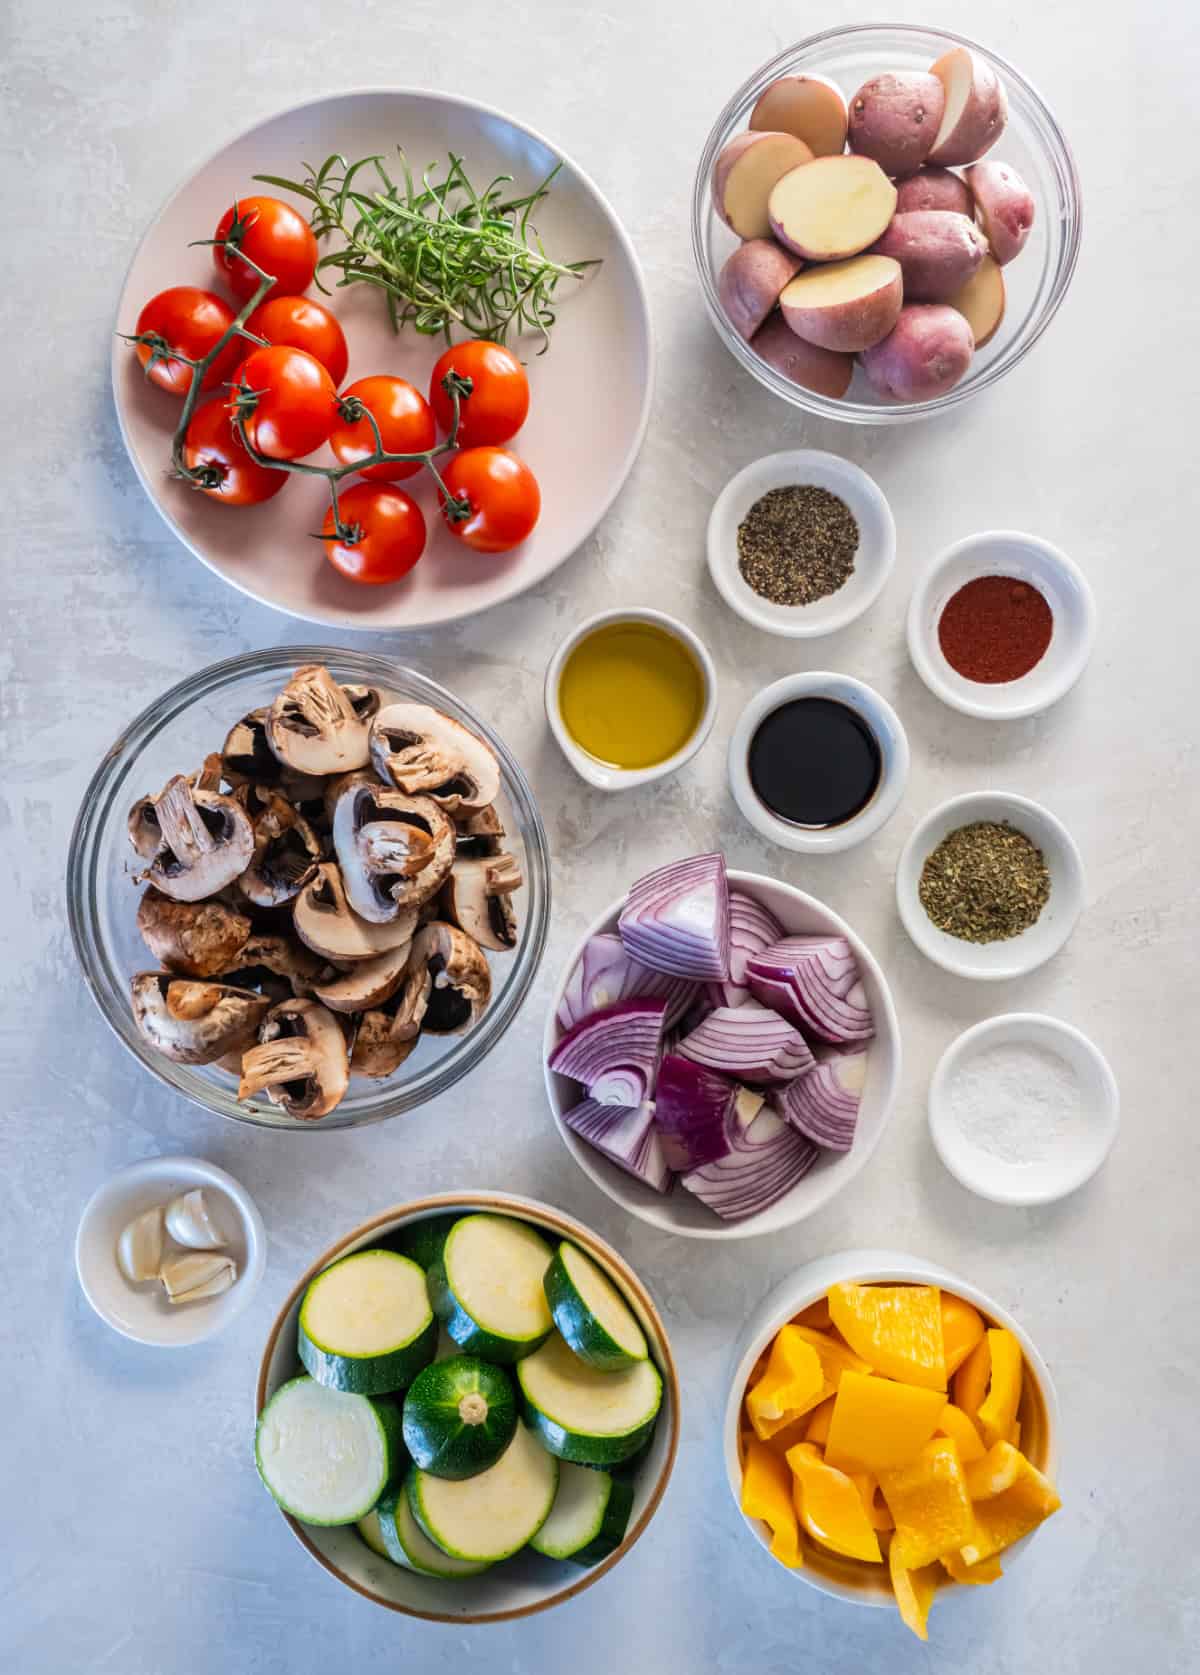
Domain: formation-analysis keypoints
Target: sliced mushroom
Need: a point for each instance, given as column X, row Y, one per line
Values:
column 478, row 834
column 394, row 851
column 265, row 955
column 145, row 831
column 206, row 840
column 449, row 982
column 193, row 938
column 419, row 750
column 286, row 849
column 477, row 898
column 194, row 1022
column 247, row 758
column 326, row 923
column 379, row 1048
column 318, row 727
column 301, row 1060
column 366, row 985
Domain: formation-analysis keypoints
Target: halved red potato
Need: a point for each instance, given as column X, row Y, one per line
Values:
column 751, row 280
column 937, row 249
column 744, row 173
column 1004, row 205
column 976, row 108
column 832, row 207
column 846, row 306
column 808, row 106
column 981, row 301
column 894, row 118
column 924, row 355
column 934, row 188
column 822, row 370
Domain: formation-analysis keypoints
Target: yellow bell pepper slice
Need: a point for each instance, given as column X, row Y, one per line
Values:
column 767, row 1494
column 962, row 1328
column 818, row 1423
column 955, row 1423
column 931, row 1506
column 914, row 1591
column 988, row 1570
column 1014, row 1512
column 897, row 1329
column 836, row 1357
column 878, row 1424
column 815, row 1316
column 999, row 1409
column 998, row 1470
column 971, row 1379
column 792, row 1383
column 830, row 1506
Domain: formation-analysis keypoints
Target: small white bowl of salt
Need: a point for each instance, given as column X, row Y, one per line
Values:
column 1023, row 1109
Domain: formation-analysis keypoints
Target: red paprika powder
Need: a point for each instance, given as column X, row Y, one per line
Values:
column 995, row 629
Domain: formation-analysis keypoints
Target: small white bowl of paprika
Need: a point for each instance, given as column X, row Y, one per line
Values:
column 1001, row 625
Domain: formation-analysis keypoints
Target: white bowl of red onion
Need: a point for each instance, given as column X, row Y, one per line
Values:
column 721, row 1053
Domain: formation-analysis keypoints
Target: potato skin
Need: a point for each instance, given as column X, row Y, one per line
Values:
column 924, row 355
column 822, row 370
column 1005, row 207
column 851, row 324
column 937, row 250
column 984, row 115
column 934, row 188
column 730, row 155
column 894, row 118
column 751, row 280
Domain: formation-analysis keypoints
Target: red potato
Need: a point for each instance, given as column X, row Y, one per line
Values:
column 937, row 250
column 822, row 370
column 924, row 355
column 1005, row 208
column 808, row 106
column 832, row 207
column 934, row 188
column 846, row 306
column 894, row 118
column 981, row 301
column 976, row 107
column 751, row 280
column 744, row 173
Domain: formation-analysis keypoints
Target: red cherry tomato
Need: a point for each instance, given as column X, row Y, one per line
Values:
column 233, row 477
column 302, row 323
column 272, row 234
column 386, row 534
column 498, row 403
column 191, row 322
column 287, row 402
column 405, row 426
column 501, row 495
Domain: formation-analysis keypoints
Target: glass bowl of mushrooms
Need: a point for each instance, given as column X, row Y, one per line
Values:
column 309, row 888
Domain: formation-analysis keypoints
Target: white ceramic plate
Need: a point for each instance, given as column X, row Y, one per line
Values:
column 590, row 391
column 680, row 1212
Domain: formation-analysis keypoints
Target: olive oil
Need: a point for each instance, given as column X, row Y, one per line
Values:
column 631, row 694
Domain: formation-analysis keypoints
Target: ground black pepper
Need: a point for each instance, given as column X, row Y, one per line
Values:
column 984, row 882
column 797, row 544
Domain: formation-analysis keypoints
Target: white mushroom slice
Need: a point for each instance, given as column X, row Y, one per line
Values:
column 140, row 1247
column 189, row 1221
column 196, row 1275
column 301, row 1061
column 318, row 727
column 394, row 851
column 478, row 834
column 368, row 984
column 191, row 1021
column 477, row 898
column 194, row 938
column 207, row 841
column 282, row 956
column 419, row 750
column 449, row 981
column 286, row 849
column 380, row 1047
column 325, row 922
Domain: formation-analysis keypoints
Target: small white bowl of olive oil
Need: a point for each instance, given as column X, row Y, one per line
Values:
column 631, row 695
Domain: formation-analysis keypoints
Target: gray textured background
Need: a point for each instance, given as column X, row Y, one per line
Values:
column 135, row 1536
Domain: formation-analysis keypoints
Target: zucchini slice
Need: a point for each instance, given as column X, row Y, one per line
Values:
column 586, row 1416
column 368, row 1528
column 327, row 1455
column 589, row 1517
column 459, row 1416
column 591, row 1313
column 405, row 1542
column 422, row 1241
column 492, row 1515
column 366, row 1324
column 487, row 1288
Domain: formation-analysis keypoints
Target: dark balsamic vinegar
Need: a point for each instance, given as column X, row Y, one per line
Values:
column 814, row 762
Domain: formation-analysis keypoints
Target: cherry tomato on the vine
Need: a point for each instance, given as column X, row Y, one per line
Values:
column 386, row 534
column 498, row 403
column 191, row 322
column 405, row 426
column 502, row 497
column 233, row 477
column 272, row 234
column 286, row 400
column 303, row 323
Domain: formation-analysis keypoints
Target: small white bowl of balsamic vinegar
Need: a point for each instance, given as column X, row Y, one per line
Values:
column 631, row 695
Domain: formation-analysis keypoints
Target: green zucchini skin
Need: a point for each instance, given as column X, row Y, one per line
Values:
column 423, row 1241
column 576, row 1323
column 368, row 1527
column 436, row 1435
column 470, row 1337
column 364, row 1375
column 603, row 1452
column 613, row 1525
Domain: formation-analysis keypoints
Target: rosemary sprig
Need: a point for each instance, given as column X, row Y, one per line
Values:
column 444, row 254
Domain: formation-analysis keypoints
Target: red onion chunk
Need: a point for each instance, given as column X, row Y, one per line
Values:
column 627, row 1137
column 607, row 973
column 614, row 1052
column 751, row 929
column 814, row 982
column 676, row 919
column 763, row 1162
column 749, row 1042
column 824, row 1103
column 692, row 1110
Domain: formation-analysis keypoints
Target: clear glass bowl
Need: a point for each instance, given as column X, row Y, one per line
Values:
column 1032, row 143
column 172, row 736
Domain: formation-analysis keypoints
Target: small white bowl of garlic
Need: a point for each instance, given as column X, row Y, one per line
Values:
column 170, row 1250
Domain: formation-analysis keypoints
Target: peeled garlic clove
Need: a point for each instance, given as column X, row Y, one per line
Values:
column 197, row 1274
column 190, row 1222
column 140, row 1247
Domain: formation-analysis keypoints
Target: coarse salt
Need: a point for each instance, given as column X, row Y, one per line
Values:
column 1019, row 1103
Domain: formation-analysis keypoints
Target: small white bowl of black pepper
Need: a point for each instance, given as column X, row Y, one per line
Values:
column 801, row 543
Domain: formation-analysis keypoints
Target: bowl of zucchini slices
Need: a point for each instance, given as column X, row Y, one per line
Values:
column 468, row 1409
